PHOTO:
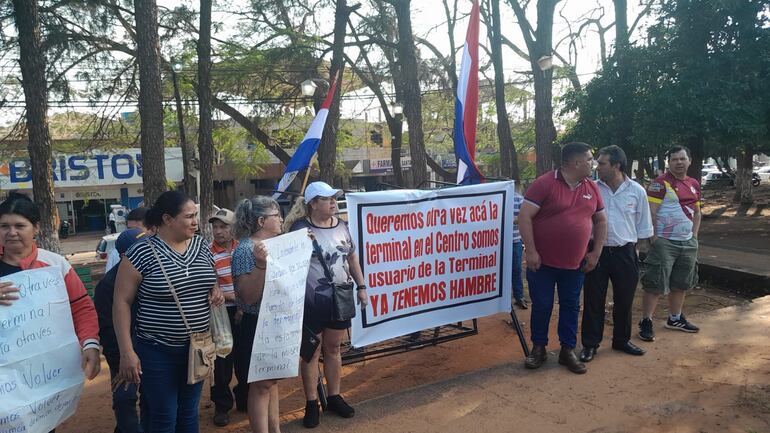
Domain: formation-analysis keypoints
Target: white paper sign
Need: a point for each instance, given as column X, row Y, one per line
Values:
column 275, row 352
column 40, row 376
column 431, row 257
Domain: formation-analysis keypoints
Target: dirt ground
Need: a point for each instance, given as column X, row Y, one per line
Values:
column 496, row 351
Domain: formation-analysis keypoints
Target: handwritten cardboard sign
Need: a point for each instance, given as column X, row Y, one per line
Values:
column 40, row 376
column 275, row 352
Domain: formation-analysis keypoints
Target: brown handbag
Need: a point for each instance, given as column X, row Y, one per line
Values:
column 202, row 353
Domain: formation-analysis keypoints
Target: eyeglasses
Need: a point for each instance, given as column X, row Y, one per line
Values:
column 278, row 214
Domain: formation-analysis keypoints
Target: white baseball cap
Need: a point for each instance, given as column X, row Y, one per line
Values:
column 320, row 189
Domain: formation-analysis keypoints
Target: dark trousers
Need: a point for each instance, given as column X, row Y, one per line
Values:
column 248, row 328
column 518, row 285
column 541, row 291
column 619, row 265
column 124, row 400
column 169, row 404
column 223, row 374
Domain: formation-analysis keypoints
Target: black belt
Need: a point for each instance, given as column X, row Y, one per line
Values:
column 632, row 244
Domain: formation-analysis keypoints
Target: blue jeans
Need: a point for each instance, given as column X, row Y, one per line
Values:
column 169, row 404
column 541, row 289
column 518, row 285
column 124, row 400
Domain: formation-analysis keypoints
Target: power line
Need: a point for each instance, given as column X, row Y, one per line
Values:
column 298, row 99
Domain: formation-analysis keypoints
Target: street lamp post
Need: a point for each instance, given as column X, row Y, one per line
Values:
column 545, row 63
column 310, row 85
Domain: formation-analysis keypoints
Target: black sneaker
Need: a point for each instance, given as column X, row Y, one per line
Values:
column 312, row 414
column 335, row 403
column 681, row 325
column 645, row 330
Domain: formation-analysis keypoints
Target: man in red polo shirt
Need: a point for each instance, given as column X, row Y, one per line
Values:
column 561, row 209
column 222, row 222
column 671, row 262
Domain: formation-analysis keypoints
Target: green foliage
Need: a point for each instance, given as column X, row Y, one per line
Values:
column 234, row 145
column 702, row 74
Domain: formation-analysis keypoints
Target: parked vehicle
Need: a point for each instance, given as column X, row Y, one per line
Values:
column 715, row 179
column 64, row 229
column 764, row 173
column 106, row 245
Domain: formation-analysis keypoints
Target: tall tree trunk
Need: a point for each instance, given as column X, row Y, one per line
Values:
column 396, row 138
column 744, row 190
column 661, row 166
column 541, row 44
column 623, row 101
column 695, row 144
column 412, row 95
column 327, row 148
column 394, row 122
column 545, row 132
column 32, row 63
column 190, row 187
column 508, row 161
column 205, row 142
column 150, row 100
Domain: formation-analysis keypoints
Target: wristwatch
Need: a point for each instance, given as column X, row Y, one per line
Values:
column 361, row 287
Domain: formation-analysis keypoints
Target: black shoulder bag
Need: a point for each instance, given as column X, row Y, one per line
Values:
column 343, row 298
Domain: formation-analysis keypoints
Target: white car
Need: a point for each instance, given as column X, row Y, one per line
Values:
column 106, row 245
column 717, row 179
column 764, row 173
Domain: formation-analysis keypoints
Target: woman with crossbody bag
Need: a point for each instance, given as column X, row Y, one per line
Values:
column 171, row 276
column 334, row 268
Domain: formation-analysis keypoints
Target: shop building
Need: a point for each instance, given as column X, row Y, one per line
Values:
column 86, row 184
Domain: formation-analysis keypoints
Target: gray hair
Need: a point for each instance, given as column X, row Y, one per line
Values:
column 248, row 211
column 616, row 156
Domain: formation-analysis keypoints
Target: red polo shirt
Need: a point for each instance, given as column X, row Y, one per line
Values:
column 563, row 224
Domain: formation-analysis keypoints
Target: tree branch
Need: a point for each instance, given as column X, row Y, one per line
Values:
column 250, row 126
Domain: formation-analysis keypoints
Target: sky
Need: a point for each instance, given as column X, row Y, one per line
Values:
column 428, row 21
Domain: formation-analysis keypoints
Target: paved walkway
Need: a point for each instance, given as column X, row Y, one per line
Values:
column 715, row 381
column 739, row 259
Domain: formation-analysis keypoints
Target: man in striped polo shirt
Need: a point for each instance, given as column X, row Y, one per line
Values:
column 222, row 248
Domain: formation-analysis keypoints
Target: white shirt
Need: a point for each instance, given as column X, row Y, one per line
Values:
column 113, row 258
column 628, row 213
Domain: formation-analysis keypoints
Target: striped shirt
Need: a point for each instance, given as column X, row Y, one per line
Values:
column 192, row 275
column 222, row 260
column 517, row 199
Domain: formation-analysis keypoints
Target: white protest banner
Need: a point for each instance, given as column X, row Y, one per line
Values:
column 40, row 375
column 431, row 257
column 275, row 352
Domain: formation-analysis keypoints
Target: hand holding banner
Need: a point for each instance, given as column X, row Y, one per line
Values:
column 275, row 352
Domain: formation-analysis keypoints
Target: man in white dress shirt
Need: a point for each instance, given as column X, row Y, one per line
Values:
column 628, row 216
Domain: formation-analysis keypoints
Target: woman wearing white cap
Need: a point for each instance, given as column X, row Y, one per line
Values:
column 338, row 250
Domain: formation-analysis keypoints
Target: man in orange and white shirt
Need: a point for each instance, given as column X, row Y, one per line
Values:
column 222, row 222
